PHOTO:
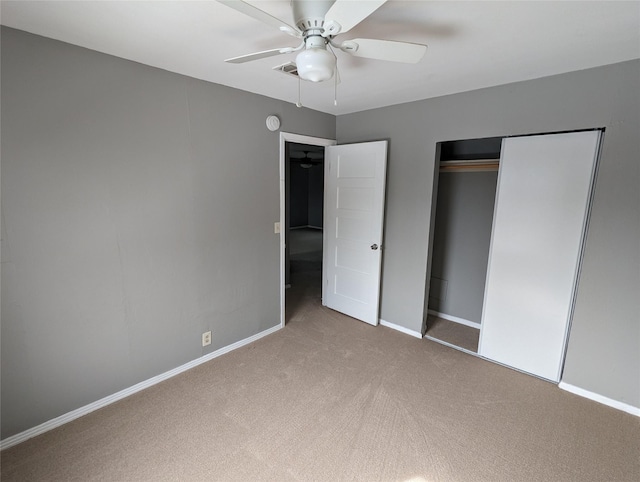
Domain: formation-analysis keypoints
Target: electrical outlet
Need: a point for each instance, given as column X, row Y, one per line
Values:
column 206, row 338
column 276, row 228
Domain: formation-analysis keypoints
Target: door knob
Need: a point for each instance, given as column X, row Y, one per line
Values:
column 374, row 246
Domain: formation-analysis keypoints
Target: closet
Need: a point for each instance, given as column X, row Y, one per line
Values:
column 466, row 187
column 542, row 199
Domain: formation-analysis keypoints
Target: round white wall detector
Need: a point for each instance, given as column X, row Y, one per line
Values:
column 273, row 123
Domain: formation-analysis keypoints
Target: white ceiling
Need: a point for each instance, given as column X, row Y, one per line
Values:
column 472, row 44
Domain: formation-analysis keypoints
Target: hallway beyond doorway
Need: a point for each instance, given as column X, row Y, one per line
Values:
column 306, row 269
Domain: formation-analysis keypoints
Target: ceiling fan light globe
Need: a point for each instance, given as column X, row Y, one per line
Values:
column 315, row 65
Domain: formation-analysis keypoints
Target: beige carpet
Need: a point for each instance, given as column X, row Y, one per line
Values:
column 454, row 333
column 330, row 398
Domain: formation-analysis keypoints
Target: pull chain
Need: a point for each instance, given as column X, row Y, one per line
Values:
column 336, row 76
column 335, row 87
column 299, row 103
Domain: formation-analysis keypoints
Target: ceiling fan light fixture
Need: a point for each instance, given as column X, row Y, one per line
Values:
column 315, row 64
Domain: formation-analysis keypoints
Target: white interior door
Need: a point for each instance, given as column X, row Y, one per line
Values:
column 353, row 221
column 542, row 201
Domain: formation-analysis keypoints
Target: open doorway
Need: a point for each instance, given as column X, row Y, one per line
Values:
column 304, row 183
column 302, row 173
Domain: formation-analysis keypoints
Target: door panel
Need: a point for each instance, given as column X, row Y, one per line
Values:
column 354, row 206
column 542, row 200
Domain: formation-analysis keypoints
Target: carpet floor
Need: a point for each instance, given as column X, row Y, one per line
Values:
column 329, row 398
column 454, row 333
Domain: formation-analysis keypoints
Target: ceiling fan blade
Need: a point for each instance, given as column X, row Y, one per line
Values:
column 255, row 12
column 346, row 14
column 391, row 50
column 259, row 55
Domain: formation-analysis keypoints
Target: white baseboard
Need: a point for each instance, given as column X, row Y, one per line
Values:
column 103, row 402
column 455, row 319
column 600, row 399
column 402, row 329
column 308, row 226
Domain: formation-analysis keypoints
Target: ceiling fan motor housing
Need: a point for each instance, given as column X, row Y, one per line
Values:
column 310, row 14
column 314, row 63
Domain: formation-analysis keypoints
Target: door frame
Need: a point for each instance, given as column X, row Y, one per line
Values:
column 299, row 139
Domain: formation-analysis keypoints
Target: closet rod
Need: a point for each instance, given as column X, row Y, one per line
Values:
column 473, row 165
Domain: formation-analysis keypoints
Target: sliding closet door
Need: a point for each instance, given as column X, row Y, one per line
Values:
column 542, row 202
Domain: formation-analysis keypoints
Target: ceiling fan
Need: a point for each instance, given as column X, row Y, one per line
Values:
column 317, row 23
column 307, row 158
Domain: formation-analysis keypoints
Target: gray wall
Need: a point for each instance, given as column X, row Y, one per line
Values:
column 307, row 195
column 604, row 347
column 299, row 192
column 316, row 195
column 464, row 216
column 137, row 212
